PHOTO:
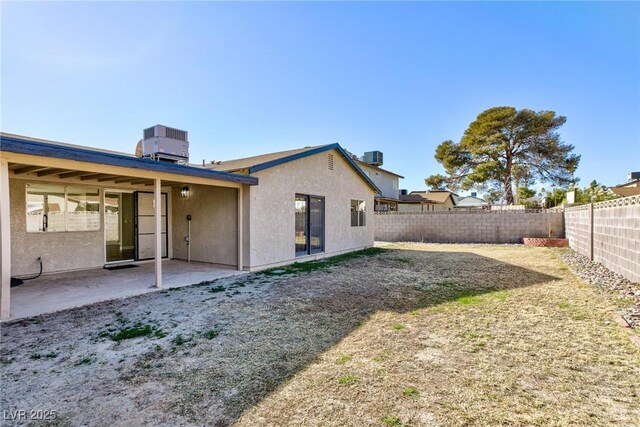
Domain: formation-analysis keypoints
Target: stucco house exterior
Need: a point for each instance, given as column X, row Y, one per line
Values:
column 319, row 192
column 72, row 208
column 427, row 201
column 388, row 182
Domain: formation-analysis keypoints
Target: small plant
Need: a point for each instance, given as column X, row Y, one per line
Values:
column 50, row 355
column 398, row 326
column 469, row 300
column 348, row 379
column 215, row 289
column 392, row 421
column 384, row 356
column 344, row 359
column 179, row 340
column 136, row 331
column 410, row 391
column 415, row 313
column 211, row 334
column 84, row 361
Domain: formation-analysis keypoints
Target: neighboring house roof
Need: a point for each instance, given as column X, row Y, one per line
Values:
column 377, row 168
column 626, row 191
column 631, row 188
column 44, row 148
column 437, row 196
column 470, row 201
column 415, row 198
column 269, row 160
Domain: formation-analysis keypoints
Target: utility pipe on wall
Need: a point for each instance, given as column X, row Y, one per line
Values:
column 188, row 238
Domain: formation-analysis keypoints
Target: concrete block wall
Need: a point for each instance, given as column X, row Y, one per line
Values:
column 577, row 225
column 615, row 237
column 476, row 227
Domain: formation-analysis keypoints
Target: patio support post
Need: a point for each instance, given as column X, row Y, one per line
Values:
column 5, row 239
column 157, row 209
column 240, row 230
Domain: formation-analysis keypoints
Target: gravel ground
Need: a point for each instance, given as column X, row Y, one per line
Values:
column 418, row 334
column 627, row 293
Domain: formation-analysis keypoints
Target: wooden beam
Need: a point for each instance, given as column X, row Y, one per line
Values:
column 5, row 242
column 139, row 181
column 54, row 171
column 108, row 178
column 157, row 208
column 28, row 169
column 74, row 174
column 93, row 176
column 124, row 179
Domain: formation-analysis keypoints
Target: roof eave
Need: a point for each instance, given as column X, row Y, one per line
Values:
column 45, row 149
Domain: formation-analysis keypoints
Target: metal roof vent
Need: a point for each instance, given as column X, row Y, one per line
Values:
column 163, row 143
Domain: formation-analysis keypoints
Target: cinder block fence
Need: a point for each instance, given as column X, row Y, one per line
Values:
column 608, row 233
column 468, row 227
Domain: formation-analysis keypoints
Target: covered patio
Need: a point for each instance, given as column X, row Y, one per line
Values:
column 61, row 291
column 57, row 205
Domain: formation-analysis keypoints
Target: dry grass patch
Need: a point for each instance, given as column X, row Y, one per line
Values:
column 413, row 335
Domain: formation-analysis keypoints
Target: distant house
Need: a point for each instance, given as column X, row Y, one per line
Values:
column 385, row 180
column 470, row 202
column 630, row 188
column 427, row 201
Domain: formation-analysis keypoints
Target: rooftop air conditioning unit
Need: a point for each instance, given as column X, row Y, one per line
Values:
column 373, row 158
column 164, row 144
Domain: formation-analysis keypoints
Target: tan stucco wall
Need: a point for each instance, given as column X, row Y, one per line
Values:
column 387, row 183
column 272, row 211
column 60, row 251
column 214, row 224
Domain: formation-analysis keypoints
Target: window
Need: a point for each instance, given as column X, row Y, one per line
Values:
column 358, row 213
column 61, row 208
column 309, row 233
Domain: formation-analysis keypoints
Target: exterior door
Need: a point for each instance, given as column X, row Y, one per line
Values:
column 119, row 226
column 146, row 225
column 309, row 217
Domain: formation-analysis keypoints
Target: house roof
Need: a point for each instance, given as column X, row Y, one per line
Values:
column 45, row 148
column 415, row 198
column 625, row 191
column 437, row 196
column 631, row 184
column 470, row 201
column 269, row 160
column 360, row 162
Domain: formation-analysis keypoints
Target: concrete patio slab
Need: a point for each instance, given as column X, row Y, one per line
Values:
column 61, row 291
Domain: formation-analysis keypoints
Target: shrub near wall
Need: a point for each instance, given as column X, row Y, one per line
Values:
column 468, row 227
column 608, row 233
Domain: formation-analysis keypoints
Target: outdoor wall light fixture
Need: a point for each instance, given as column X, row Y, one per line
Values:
column 185, row 192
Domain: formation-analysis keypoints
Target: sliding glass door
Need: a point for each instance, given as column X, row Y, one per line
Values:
column 119, row 226
column 309, row 218
column 129, row 224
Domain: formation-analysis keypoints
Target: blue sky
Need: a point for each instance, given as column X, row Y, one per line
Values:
column 247, row 78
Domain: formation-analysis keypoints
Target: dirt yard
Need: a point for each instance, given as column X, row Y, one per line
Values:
column 411, row 335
